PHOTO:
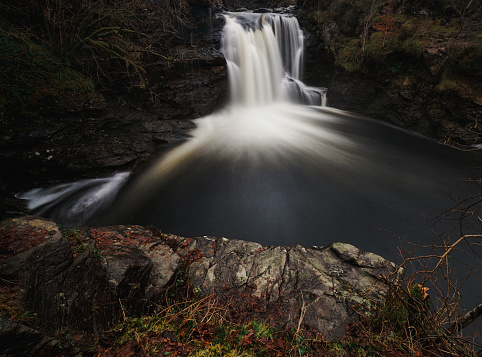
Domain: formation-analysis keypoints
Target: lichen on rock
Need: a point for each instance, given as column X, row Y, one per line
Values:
column 324, row 282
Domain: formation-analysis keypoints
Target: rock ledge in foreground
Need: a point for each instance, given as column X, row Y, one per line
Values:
column 75, row 284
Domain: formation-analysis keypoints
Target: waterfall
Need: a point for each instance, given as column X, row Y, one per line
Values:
column 267, row 169
column 264, row 55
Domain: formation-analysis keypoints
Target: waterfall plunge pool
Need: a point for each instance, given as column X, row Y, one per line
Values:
column 268, row 170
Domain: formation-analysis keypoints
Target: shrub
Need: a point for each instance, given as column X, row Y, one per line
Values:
column 412, row 47
column 100, row 36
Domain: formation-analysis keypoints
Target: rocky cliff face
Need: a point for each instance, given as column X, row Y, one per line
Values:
column 119, row 126
column 125, row 130
column 414, row 65
column 412, row 103
column 77, row 285
column 120, row 133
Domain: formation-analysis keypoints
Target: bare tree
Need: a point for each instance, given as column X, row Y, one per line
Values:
column 371, row 9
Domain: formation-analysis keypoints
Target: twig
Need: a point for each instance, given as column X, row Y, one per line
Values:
column 14, row 56
column 123, row 310
column 302, row 316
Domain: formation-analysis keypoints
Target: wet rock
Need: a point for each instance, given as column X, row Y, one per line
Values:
column 40, row 148
column 81, row 286
column 127, row 271
column 60, row 290
column 262, row 10
column 117, row 138
column 125, row 133
column 164, row 264
column 412, row 102
column 404, row 93
column 135, row 260
column 78, row 299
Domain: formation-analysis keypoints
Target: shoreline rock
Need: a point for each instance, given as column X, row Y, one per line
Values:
column 78, row 284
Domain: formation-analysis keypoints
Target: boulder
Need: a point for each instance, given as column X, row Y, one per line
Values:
column 77, row 286
column 316, row 286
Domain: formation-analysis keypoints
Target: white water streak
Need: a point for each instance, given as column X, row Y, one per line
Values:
column 259, row 126
column 254, row 64
column 90, row 196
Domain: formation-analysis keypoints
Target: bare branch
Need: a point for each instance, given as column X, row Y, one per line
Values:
column 467, row 319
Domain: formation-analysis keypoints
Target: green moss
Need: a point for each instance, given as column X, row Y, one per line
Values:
column 377, row 47
column 76, row 244
column 133, row 328
column 64, row 87
column 442, row 28
column 448, row 85
column 412, row 47
column 219, row 350
column 381, row 45
column 402, row 48
column 349, row 56
column 463, row 86
column 387, row 50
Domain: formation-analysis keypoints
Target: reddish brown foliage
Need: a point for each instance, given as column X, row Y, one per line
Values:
column 387, row 22
column 105, row 237
column 17, row 239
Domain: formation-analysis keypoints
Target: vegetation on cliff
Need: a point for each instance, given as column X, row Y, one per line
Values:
column 55, row 53
column 392, row 36
column 32, row 76
column 405, row 324
column 59, row 55
column 425, row 56
column 420, row 315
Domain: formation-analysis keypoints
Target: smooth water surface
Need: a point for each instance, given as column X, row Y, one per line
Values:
column 298, row 175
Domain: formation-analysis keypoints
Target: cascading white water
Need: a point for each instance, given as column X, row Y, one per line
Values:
column 264, row 60
column 264, row 55
column 254, row 66
column 290, row 42
column 74, row 203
